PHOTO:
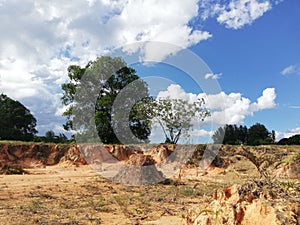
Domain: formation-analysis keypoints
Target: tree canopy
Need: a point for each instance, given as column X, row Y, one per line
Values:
column 175, row 116
column 257, row 134
column 231, row 134
column 111, row 81
column 293, row 140
column 17, row 123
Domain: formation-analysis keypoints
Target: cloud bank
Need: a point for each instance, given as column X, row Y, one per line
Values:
column 40, row 39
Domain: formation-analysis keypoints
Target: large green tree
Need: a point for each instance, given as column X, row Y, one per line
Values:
column 117, row 88
column 16, row 123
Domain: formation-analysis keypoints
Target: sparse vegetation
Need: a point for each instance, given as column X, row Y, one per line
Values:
column 69, row 195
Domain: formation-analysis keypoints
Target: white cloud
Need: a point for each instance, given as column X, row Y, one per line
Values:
column 236, row 13
column 295, row 107
column 292, row 69
column 225, row 108
column 41, row 39
column 287, row 134
column 266, row 101
column 175, row 91
column 212, row 76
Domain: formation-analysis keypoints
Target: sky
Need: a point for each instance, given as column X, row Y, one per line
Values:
column 249, row 50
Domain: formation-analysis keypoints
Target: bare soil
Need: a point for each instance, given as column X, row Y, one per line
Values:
column 68, row 194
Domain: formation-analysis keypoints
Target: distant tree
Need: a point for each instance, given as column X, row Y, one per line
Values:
column 242, row 135
column 110, row 76
column 218, row 136
column 50, row 136
column 62, row 138
column 231, row 135
column 283, row 141
column 16, row 123
column 258, row 135
column 175, row 116
column 273, row 136
column 234, row 135
column 293, row 140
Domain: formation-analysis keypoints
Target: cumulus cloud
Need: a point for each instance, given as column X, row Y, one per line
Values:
column 241, row 12
column 236, row 13
column 292, row 69
column 266, row 101
column 175, row 91
column 230, row 108
column 42, row 38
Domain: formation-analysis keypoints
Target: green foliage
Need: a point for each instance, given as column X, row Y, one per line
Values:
column 106, row 77
column 294, row 140
column 17, row 123
column 50, row 137
column 174, row 115
column 234, row 135
column 231, row 134
column 259, row 135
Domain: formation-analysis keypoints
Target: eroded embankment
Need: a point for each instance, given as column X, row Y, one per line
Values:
column 15, row 157
column 279, row 160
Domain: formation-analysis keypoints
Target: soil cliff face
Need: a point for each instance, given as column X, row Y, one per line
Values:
column 32, row 155
column 14, row 157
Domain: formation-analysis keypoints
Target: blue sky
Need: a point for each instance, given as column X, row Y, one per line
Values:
column 252, row 48
column 252, row 58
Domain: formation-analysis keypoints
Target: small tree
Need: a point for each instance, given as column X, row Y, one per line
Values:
column 50, row 136
column 174, row 116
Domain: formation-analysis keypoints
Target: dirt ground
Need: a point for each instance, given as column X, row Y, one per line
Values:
column 78, row 195
column 66, row 194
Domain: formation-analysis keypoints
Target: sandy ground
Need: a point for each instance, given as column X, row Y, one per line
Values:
column 78, row 195
column 66, row 194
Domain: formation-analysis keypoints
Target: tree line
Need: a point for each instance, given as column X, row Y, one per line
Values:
column 105, row 78
column 257, row 134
